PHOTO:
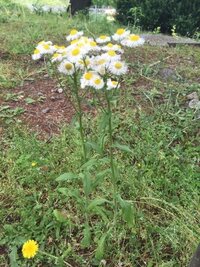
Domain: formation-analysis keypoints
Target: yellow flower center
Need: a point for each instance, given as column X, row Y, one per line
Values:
column 97, row 81
column 73, row 32
column 109, row 45
column 118, row 65
column 55, row 55
column 134, row 38
column 88, row 76
column 80, row 45
column 93, row 43
column 103, row 37
column 114, row 83
column 36, row 51
column 46, row 46
column 120, row 31
column 101, row 61
column 68, row 66
column 111, row 53
column 74, row 41
column 75, row 52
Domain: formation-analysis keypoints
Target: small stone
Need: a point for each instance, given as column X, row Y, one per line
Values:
column 194, row 104
column 168, row 73
column 55, row 98
column 46, row 110
column 60, row 90
column 193, row 95
column 46, row 75
column 40, row 94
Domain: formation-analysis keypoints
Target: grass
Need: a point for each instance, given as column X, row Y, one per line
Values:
column 159, row 173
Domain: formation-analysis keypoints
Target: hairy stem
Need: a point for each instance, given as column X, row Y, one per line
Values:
column 110, row 130
column 80, row 117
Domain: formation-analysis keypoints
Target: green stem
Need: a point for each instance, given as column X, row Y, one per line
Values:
column 110, row 130
column 80, row 115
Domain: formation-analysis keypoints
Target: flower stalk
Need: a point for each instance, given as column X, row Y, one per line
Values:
column 80, row 116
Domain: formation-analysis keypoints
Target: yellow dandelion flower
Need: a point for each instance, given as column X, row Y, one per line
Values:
column 29, row 249
column 33, row 164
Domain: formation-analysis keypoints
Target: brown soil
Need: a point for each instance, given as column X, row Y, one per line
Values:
column 50, row 109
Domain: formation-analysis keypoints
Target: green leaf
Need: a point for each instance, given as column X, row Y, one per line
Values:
column 64, row 191
column 99, row 253
column 97, row 202
column 93, row 145
column 13, row 257
column 60, row 216
column 104, row 120
column 86, row 237
column 66, row 176
column 87, row 183
column 127, row 211
column 124, row 148
column 89, row 164
column 100, row 177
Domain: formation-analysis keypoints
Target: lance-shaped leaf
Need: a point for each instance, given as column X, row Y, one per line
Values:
column 86, row 237
column 124, row 148
column 66, row 177
column 127, row 211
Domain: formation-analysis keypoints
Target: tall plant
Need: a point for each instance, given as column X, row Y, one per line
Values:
column 96, row 65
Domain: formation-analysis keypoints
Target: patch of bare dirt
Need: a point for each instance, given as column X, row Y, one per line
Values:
column 49, row 108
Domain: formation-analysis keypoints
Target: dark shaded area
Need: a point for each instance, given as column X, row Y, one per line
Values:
column 195, row 261
column 77, row 5
column 182, row 17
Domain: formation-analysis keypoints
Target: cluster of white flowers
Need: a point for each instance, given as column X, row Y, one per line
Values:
column 98, row 62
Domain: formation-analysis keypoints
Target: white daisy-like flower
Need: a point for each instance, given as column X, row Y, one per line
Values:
column 60, row 49
column 114, row 47
column 103, row 39
column 112, row 84
column 92, row 46
column 97, row 82
column 118, row 67
column 87, row 78
column 133, row 40
column 99, row 64
column 46, row 47
column 66, row 67
column 57, row 57
column 111, row 55
column 120, row 34
column 84, row 63
column 36, row 54
column 74, row 34
column 75, row 54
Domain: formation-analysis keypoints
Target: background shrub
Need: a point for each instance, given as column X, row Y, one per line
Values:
column 150, row 14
